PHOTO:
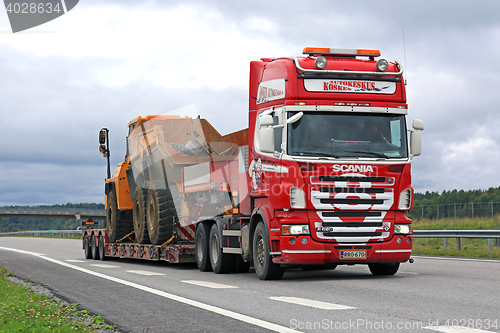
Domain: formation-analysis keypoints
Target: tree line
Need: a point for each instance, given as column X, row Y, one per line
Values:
column 450, row 197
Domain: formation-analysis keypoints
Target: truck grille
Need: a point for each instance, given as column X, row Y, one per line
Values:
column 351, row 208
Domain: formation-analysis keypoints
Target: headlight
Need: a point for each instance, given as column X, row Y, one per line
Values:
column 295, row 229
column 402, row 229
column 297, row 198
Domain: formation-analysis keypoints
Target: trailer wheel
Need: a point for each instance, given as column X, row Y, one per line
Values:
column 201, row 253
column 94, row 247
column 383, row 269
column 264, row 266
column 115, row 227
column 221, row 262
column 101, row 248
column 86, row 247
column 139, row 216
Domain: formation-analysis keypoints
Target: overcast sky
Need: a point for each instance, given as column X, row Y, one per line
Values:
column 106, row 62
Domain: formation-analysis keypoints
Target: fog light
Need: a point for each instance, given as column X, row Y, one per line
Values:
column 398, row 240
column 408, row 240
column 292, row 240
column 304, row 240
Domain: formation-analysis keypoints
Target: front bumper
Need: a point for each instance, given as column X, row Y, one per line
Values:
column 305, row 250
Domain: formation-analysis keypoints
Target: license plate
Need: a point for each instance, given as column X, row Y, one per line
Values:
column 352, row 254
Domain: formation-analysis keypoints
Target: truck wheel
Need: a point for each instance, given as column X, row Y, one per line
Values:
column 201, row 253
column 139, row 216
column 115, row 227
column 94, row 247
column 101, row 248
column 383, row 269
column 86, row 247
column 264, row 266
column 221, row 262
column 160, row 214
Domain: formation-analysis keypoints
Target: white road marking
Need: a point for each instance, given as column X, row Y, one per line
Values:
column 209, row 284
column 458, row 259
column 457, row 329
column 104, row 265
column 211, row 308
column 408, row 273
column 74, row 260
column 22, row 251
column 311, row 303
column 145, row 273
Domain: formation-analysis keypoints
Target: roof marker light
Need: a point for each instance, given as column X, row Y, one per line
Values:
column 344, row 52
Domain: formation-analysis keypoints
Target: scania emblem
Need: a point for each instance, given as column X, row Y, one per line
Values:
column 386, row 228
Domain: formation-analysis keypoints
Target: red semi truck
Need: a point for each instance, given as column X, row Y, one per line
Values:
column 321, row 177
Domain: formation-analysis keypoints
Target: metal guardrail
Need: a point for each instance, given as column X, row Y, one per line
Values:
column 445, row 234
column 62, row 233
column 458, row 234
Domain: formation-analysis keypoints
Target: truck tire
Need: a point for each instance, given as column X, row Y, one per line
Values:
column 94, row 247
column 201, row 253
column 221, row 262
column 102, row 250
column 115, row 227
column 383, row 269
column 139, row 216
column 262, row 261
column 86, row 248
column 161, row 215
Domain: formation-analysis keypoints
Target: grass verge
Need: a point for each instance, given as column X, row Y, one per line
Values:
column 471, row 247
column 24, row 310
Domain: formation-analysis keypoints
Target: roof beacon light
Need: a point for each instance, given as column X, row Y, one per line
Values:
column 341, row 52
column 320, row 62
column 382, row 65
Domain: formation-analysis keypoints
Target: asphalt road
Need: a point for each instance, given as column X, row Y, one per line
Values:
column 430, row 295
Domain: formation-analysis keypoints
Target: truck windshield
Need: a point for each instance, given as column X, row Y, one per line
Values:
column 344, row 135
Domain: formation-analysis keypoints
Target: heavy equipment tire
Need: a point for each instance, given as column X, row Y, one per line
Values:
column 86, row 248
column 115, row 227
column 102, row 251
column 241, row 266
column 94, row 247
column 221, row 262
column 201, row 253
column 161, row 215
column 262, row 261
column 139, row 216
column 383, row 269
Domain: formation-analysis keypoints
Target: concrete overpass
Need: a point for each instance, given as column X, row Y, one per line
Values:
column 50, row 212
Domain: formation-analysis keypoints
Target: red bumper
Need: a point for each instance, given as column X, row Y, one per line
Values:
column 304, row 250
